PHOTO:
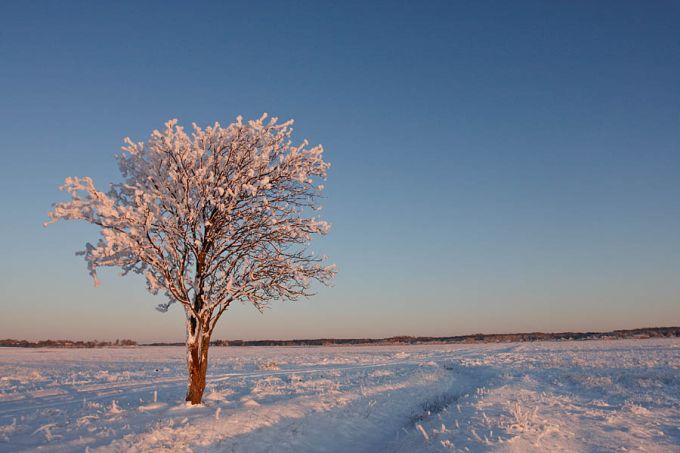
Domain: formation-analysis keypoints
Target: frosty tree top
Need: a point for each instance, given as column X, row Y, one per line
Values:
column 215, row 216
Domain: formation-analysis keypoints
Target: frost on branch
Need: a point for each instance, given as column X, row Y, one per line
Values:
column 210, row 216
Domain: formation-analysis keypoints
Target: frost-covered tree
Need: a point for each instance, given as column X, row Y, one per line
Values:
column 220, row 215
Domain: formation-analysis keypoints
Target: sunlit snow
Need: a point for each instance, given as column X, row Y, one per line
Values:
column 553, row 396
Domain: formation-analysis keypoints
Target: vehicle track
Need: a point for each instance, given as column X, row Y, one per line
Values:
column 99, row 392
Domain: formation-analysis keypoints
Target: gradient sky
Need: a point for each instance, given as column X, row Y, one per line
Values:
column 496, row 166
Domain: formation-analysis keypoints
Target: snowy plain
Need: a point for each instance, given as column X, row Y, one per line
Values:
column 589, row 396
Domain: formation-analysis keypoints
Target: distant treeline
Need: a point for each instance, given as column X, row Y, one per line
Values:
column 65, row 343
column 650, row 332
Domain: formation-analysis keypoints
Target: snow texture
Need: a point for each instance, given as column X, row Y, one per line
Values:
column 594, row 396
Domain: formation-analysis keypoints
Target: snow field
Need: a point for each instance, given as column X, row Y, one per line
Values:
column 561, row 396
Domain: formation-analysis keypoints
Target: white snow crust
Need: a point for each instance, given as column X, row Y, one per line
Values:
column 592, row 396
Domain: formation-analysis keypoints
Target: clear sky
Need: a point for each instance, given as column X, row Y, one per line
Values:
column 496, row 166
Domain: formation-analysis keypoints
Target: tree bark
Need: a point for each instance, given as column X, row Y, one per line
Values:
column 197, row 365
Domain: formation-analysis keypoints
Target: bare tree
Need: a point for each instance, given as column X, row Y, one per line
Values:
column 220, row 215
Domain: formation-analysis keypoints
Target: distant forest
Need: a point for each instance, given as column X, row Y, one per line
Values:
column 65, row 343
column 648, row 332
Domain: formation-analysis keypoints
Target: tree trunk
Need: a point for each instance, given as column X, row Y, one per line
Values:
column 197, row 365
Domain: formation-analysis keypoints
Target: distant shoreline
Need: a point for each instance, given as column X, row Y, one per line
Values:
column 69, row 344
column 641, row 333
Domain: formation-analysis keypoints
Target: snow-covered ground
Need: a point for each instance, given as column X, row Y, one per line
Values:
column 569, row 396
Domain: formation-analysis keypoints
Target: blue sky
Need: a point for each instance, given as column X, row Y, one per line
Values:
column 496, row 167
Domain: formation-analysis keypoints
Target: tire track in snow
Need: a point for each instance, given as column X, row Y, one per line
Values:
column 74, row 396
column 354, row 419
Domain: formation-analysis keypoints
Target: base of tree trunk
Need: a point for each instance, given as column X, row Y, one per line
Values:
column 196, row 387
column 197, row 365
column 194, row 396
